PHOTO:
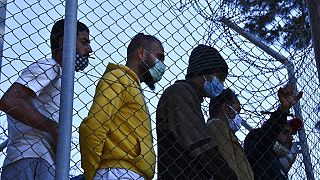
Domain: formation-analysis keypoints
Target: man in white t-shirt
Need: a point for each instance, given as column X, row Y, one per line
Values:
column 32, row 107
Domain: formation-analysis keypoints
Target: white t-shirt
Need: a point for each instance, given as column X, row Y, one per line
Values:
column 44, row 78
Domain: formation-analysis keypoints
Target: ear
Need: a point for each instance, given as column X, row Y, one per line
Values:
column 224, row 111
column 141, row 53
column 224, row 108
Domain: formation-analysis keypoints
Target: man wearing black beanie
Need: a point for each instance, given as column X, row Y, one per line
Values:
column 185, row 150
column 206, row 60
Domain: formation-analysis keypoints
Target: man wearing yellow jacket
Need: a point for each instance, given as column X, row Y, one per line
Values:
column 115, row 138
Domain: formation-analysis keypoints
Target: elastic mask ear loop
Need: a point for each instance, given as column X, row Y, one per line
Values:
column 144, row 61
column 227, row 112
column 204, row 77
column 236, row 112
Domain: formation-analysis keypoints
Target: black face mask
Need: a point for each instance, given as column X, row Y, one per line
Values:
column 81, row 62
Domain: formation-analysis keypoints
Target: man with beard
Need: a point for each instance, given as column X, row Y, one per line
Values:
column 32, row 106
column 266, row 145
column 115, row 138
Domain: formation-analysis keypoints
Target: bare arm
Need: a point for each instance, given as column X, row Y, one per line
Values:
column 16, row 103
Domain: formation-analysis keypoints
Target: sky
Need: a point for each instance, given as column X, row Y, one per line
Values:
column 180, row 28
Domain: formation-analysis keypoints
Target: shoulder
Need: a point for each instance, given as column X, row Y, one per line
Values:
column 119, row 77
column 47, row 66
column 179, row 88
column 44, row 69
column 39, row 74
column 120, row 72
column 213, row 122
column 45, row 63
column 215, row 125
column 182, row 97
column 254, row 134
column 174, row 93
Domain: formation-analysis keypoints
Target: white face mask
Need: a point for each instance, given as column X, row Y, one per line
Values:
column 280, row 149
column 235, row 123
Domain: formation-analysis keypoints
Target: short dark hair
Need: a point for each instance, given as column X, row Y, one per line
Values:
column 141, row 40
column 58, row 31
column 227, row 96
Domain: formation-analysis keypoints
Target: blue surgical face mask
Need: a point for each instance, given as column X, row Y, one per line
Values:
column 157, row 70
column 213, row 88
column 235, row 123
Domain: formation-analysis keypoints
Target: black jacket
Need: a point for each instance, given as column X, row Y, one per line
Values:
column 258, row 147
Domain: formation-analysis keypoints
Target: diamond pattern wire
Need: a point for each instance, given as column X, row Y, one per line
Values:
column 180, row 25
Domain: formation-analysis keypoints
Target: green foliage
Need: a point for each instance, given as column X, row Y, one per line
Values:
column 284, row 21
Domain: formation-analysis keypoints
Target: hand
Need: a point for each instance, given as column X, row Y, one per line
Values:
column 287, row 98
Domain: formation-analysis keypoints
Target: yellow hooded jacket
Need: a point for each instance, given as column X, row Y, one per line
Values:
column 117, row 131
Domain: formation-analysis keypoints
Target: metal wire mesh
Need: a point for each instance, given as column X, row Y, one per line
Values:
column 180, row 25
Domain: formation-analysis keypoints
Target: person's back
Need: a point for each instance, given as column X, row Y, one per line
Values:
column 185, row 150
column 169, row 148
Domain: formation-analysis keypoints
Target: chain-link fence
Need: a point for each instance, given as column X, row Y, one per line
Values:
column 255, row 74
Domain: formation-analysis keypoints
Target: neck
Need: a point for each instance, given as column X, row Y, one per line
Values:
column 220, row 116
column 198, row 81
column 135, row 68
column 57, row 57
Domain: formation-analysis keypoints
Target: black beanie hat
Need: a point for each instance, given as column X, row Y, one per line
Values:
column 205, row 60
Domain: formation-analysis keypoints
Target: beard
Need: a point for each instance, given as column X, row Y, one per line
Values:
column 146, row 75
column 147, row 78
column 151, row 84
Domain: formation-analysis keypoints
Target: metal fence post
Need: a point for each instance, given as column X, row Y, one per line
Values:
column 4, row 144
column 3, row 10
column 314, row 17
column 67, row 87
column 292, row 80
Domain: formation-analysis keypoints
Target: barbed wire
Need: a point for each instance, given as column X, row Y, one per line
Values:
column 254, row 74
